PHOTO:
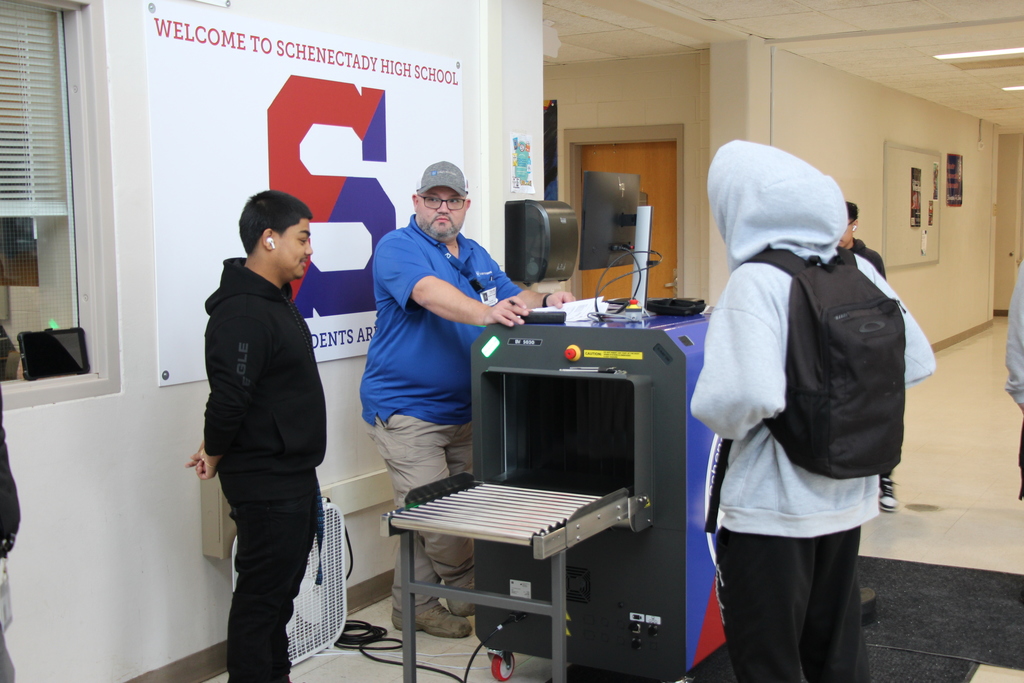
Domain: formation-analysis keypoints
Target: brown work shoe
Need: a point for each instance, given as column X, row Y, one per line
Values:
column 460, row 608
column 438, row 622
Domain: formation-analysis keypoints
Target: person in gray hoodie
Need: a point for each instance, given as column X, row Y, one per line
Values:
column 1015, row 365
column 788, row 539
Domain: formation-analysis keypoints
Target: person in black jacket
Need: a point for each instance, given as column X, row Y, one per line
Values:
column 10, row 520
column 848, row 241
column 266, row 429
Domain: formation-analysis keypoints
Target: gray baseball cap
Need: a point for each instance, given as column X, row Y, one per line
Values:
column 444, row 174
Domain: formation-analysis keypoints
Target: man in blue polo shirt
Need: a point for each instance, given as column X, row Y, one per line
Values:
column 435, row 289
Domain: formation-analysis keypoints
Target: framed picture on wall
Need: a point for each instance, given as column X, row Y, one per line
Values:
column 915, row 197
column 954, row 180
column 551, row 150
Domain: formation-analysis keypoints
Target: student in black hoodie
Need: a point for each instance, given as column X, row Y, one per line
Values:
column 10, row 519
column 848, row 241
column 266, row 429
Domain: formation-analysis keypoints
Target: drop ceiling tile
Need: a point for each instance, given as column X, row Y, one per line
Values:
column 673, row 37
column 791, row 25
column 826, row 46
column 569, row 53
column 826, row 5
column 896, row 77
column 625, row 43
column 973, row 10
column 569, row 23
column 896, row 58
column 892, row 15
column 585, row 9
column 905, row 66
column 990, row 37
column 1000, row 77
column 735, row 9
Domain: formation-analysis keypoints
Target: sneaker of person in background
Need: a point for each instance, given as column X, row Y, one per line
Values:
column 886, row 495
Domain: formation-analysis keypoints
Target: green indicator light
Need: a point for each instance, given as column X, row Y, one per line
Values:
column 490, row 347
column 54, row 325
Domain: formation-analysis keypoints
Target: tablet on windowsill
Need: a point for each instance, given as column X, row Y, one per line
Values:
column 51, row 353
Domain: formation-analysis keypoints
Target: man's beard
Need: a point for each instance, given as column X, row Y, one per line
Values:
column 439, row 235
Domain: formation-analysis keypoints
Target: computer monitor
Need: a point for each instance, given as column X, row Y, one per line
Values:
column 610, row 203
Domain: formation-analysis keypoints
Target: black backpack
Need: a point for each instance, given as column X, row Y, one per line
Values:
column 845, row 369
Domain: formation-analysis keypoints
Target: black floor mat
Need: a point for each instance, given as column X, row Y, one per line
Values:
column 967, row 613
column 934, row 624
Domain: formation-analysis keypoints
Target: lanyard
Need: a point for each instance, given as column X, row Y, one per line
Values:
column 456, row 263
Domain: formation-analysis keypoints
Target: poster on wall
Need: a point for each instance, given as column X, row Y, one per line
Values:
column 522, row 164
column 239, row 105
column 551, row 150
column 935, row 181
column 915, row 197
column 954, row 180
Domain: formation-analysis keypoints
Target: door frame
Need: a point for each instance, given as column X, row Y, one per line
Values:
column 576, row 138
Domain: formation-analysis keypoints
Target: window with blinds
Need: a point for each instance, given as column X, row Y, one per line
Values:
column 38, row 288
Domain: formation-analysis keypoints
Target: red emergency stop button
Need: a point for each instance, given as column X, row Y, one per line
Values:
column 572, row 352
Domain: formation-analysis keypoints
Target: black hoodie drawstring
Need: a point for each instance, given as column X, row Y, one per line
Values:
column 300, row 321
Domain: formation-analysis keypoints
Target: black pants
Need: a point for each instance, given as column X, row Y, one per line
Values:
column 792, row 603
column 274, row 539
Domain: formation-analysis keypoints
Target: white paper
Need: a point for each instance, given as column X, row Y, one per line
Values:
column 579, row 310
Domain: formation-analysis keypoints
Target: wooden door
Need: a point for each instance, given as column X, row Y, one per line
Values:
column 655, row 162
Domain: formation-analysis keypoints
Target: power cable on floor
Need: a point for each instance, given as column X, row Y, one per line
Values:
column 361, row 636
column 972, row 660
column 351, row 560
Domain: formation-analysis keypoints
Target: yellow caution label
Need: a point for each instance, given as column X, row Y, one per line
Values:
column 614, row 355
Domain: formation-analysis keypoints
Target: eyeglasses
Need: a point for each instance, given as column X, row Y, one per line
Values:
column 454, row 204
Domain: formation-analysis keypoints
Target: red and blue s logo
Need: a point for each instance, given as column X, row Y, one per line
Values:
column 302, row 103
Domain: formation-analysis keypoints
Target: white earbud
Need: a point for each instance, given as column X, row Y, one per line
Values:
column 270, row 243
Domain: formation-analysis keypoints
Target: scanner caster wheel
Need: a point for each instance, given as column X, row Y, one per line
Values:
column 503, row 663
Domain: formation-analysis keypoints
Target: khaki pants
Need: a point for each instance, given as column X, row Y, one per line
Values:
column 417, row 453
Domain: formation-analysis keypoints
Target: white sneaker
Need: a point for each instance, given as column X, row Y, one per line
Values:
column 886, row 497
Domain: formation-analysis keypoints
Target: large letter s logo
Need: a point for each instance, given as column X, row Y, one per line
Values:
column 302, row 103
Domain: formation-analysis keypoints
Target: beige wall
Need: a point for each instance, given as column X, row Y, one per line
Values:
column 626, row 94
column 840, row 123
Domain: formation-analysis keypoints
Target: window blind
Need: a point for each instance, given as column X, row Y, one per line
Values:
column 34, row 139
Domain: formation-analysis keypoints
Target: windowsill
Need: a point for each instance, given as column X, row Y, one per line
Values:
column 28, row 394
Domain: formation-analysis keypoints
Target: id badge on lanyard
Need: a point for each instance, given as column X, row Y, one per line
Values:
column 488, row 296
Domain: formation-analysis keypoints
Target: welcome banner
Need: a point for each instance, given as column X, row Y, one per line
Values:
column 238, row 106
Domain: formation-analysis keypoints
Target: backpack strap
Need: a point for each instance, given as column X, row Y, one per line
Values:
column 787, row 261
column 845, row 257
column 783, row 259
column 711, row 521
column 1021, row 460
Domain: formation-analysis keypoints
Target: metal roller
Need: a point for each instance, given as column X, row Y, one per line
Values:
column 467, row 531
column 471, row 516
column 534, row 521
column 526, row 505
